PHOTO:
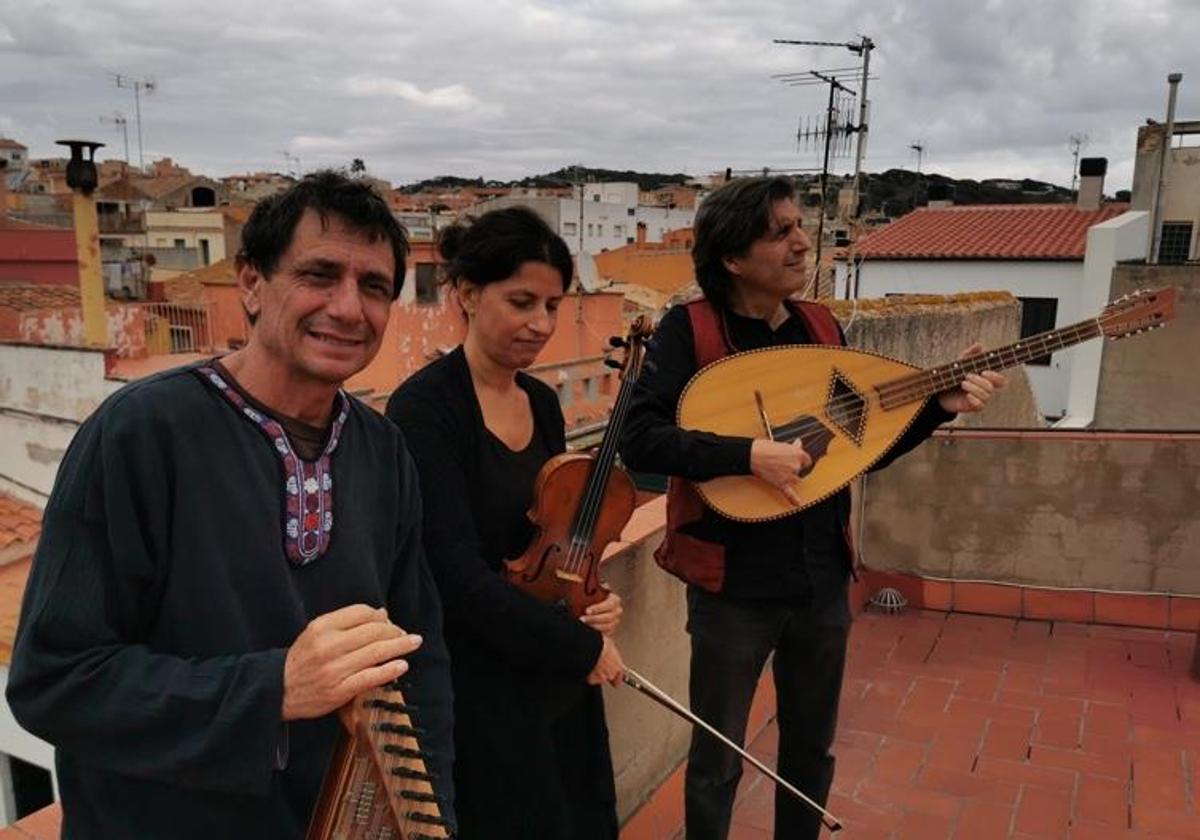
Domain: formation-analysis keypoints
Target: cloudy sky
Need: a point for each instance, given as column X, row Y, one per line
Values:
column 507, row 88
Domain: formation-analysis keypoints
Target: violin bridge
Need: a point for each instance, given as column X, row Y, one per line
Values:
column 571, row 576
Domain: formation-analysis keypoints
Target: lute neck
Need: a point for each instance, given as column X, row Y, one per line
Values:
column 925, row 383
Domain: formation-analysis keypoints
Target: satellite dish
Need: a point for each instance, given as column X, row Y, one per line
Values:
column 589, row 275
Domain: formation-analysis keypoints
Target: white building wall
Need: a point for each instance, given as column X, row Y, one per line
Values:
column 1124, row 238
column 163, row 228
column 45, row 393
column 1061, row 280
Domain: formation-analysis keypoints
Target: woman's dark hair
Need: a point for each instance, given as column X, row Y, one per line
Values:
column 494, row 246
column 270, row 228
column 727, row 223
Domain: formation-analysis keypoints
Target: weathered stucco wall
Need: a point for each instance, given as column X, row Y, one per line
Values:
column 1149, row 381
column 933, row 332
column 647, row 741
column 1069, row 509
column 45, row 393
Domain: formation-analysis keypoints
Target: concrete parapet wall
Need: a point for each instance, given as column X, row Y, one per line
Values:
column 648, row 742
column 1149, row 381
column 1063, row 509
column 930, row 330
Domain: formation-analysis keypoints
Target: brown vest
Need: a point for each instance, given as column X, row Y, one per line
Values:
column 691, row 559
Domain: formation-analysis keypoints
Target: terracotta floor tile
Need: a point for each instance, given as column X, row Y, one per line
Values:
column 981, row 727
column 984, row 821
column 1103, row 801
column 1043, row 812
column 915, row 825
column 1006, row 740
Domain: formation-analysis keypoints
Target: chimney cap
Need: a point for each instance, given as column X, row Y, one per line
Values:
column 1093, row 166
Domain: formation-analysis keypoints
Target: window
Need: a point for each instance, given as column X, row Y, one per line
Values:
column 204, row 255
column 426, row 274
column 1176, row 242
column 618, row 230
column 599, row 230
column 569, row 229
column 1038, row 316
column 590, row 227
column 632, row 211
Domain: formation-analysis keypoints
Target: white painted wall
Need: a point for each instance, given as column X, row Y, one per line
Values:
column 17, row 742
column 45, row 393
column 1061, row 280
column 1124, row 238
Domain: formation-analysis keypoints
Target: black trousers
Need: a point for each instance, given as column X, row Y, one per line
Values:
column 731, row 641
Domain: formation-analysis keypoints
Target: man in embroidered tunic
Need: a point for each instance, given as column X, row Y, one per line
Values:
column 232, row 551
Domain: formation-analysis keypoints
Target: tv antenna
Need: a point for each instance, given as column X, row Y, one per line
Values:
column 137, row 85
column 118, row 119
column 919, row 148
column 1076, row 143
column 291, row 162
column 862, row 47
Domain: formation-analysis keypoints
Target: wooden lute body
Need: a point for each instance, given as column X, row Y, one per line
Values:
column 849, row 406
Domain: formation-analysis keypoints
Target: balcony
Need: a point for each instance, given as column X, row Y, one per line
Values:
column 176, row 327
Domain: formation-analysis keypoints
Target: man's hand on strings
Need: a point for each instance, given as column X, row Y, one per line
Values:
column 339, row 655
column 604, row 616
column 975, row 390
column 779, row 464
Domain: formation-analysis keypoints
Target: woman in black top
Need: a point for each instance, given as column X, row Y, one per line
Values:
column 531, row 744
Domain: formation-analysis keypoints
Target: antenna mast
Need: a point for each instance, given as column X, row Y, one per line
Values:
column 138, row 85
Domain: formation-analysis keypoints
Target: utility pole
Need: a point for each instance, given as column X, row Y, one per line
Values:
column 138, row 85
column 118, row 119
column 1168, row 137
column 862, row 47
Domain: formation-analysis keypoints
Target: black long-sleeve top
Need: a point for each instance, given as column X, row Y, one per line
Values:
column 531, row 740
column 161, row 604
column 797, row 557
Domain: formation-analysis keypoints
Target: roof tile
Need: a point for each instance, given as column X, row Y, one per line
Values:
column 988, row 232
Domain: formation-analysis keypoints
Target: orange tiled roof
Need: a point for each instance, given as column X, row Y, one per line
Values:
column 24, row 297
column 6, row 143
column 20, row 524
column 988, row 232
column 189, row 286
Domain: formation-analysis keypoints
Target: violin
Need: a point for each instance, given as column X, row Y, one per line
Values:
column 581, row 503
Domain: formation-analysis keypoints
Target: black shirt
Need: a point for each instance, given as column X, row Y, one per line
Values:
column 801, row 557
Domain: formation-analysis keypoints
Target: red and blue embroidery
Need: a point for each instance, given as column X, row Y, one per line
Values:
column 307, row 485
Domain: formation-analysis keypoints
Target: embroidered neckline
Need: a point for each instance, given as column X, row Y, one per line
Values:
column 307, row 485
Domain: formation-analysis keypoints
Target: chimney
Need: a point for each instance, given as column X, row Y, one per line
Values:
column 1091, row 183
column 941, row 194
column 3, row 191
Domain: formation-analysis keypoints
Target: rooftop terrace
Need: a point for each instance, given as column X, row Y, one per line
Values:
column 980, row 727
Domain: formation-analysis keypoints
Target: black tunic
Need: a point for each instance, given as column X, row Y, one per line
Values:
column 532, row 758
column 161, row 604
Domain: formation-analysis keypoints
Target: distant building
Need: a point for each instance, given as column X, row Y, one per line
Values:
column 1035, row 251
column 1179, row 224
column 600, row 217
column 16, row 154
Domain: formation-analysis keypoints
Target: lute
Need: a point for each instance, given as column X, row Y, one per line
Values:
column 849, row 406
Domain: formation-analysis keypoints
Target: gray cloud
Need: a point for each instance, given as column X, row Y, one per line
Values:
column 507, row 88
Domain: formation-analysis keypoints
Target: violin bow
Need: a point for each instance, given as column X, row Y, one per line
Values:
column 633, row 679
